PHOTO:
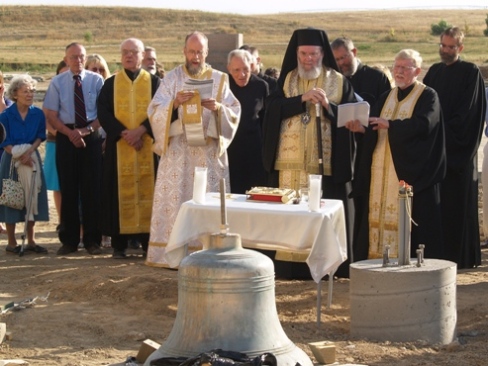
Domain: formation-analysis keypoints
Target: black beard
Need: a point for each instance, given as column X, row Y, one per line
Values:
column 447, row 58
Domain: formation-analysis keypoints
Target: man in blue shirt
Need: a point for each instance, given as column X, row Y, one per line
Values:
column 78, row 152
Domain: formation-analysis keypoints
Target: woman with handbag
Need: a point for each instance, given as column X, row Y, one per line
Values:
column 25, row 127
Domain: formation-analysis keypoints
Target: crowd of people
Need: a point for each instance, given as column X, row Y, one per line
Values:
column 122, row 149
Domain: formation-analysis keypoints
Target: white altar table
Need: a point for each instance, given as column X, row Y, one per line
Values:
column 290, row 228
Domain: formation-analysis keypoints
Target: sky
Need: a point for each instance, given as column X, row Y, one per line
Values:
column 266, row 6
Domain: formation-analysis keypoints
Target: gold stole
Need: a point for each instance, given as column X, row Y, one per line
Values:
column 383, row 197
column 135, row 169
column 192, row 120
column 297, row 154
column 192, row 113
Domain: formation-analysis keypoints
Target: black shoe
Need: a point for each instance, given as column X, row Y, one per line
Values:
column 119, row 254
column 134, row 244
column 66, row 249
column 13, row 250
column 93, row 249
column 36, row 249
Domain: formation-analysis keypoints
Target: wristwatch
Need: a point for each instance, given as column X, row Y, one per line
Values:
column 90, row 128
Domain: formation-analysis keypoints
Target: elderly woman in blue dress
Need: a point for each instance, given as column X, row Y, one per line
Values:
column 25, row 127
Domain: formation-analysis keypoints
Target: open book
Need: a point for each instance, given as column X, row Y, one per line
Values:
column 351, row 111
column 204, row 87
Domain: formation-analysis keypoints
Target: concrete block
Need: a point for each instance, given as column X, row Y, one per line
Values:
column 403, row 303
column 220, row 45
column 324, row 352
column 146, row 349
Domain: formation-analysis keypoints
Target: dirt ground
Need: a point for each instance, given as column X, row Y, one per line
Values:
column 99, row 310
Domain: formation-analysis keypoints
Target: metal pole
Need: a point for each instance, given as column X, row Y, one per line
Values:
column 224, row 227
column 404, row 224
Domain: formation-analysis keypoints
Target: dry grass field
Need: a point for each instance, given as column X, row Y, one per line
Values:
column 37, row 35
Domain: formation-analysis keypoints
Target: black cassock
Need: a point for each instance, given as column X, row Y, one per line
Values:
column 461, row 92
column 245, row 152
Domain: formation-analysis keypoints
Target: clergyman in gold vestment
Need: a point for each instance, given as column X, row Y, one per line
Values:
column 129, row 163
column 309, row 76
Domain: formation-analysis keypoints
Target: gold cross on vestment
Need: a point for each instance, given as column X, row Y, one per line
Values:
column 403, row 114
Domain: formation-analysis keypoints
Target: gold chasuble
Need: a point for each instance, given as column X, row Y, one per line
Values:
column 297, row 154
column 383, row 197
column 135, row 168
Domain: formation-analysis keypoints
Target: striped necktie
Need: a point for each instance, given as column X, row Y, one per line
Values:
column 80, row 110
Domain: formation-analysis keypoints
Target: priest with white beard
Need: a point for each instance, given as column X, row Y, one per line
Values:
column 309, row 76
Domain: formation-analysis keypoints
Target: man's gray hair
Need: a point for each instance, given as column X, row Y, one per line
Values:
column 18, row 82
column 241, row 54
column 410, row 54
column 342, row 42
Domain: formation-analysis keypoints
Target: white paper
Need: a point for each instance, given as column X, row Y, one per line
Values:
column 204, row 87
column 351, row 111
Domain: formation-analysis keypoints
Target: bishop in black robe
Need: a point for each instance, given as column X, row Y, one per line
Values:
column 280, row 107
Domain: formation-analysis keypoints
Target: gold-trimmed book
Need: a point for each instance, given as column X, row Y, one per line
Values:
column 270, row 194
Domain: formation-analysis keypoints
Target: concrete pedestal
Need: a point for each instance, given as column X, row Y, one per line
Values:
column 403, row 304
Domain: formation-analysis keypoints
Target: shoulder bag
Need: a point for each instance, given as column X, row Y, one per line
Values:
column 12, row 191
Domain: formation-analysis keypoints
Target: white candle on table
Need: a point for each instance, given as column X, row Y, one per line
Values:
column 315, row 187
column 200, row 185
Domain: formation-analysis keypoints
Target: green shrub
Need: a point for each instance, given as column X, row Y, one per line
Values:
column 485, row 31
column 88, row 36
column 437, row 29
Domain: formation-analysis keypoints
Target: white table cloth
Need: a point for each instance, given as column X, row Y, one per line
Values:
column 266, row 225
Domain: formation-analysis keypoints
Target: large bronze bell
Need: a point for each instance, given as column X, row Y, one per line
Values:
column 226, row 300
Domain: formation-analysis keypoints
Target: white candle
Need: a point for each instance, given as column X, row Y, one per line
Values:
column 315, row 187
column 200, row 185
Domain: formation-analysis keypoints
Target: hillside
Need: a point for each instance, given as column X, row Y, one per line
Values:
column 37, row 35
